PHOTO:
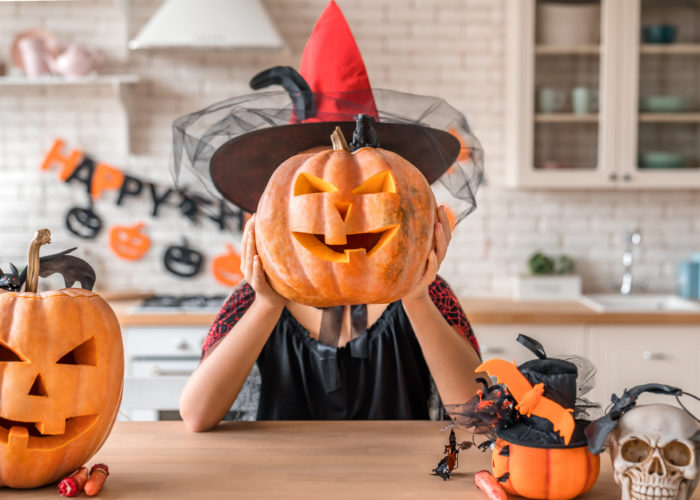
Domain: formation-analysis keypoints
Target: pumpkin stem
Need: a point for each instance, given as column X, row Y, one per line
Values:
column 364, row 135
column 338, row 140
column 41, row 237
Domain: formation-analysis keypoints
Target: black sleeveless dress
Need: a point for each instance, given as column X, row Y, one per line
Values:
column 379, row 375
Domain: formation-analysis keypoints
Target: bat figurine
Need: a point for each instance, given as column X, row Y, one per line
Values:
column 11, row 281
column 530, row 398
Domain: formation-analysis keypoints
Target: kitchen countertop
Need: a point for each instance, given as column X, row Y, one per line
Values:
column 479, row 311
column 290, row 459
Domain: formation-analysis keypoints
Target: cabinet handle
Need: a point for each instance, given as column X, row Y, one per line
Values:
column 627, row 177
column 612, row 177
column 182, row 345
column 157, row 372
column 492, row 350
column 650, row 355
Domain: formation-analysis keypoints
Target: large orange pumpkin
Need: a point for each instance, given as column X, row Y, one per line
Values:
column 61, row 373
column 335, row 227
column 545, row 473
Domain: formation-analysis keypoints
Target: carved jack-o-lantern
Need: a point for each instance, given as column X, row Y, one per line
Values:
column 61, row 372
column 335, row 227
column 128, row 242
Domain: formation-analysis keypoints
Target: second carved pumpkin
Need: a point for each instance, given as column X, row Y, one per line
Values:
column 338, row 227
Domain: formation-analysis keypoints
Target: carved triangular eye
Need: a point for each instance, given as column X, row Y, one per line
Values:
column 307, row 184
column 7, row 355
column 383, row 182
column 84, row 354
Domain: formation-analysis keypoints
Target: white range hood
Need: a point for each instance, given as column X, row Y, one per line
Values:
column 209, row 24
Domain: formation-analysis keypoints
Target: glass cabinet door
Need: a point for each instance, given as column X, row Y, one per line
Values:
column 668, row 107
column 563, row 54
column 567, row 85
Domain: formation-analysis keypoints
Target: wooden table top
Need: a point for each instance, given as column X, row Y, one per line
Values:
column 290, row 460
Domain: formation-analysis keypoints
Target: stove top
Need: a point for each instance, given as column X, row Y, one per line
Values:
column 177, row 304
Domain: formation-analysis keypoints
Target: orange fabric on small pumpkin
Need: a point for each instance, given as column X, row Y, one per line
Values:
column 545, row 473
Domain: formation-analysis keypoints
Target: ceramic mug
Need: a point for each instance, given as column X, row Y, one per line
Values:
column 34, row 56
column 550, row 100
column 584, row 100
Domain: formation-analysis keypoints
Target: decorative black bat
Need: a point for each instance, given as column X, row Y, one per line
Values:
column 73, row 269
column 10, row 281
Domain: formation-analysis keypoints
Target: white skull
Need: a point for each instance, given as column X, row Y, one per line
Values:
column 653, row 453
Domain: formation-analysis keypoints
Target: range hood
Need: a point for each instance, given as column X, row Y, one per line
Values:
column 208, row 24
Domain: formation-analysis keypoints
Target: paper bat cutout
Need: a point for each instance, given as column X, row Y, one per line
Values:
column 73, row 269
column 530, row 399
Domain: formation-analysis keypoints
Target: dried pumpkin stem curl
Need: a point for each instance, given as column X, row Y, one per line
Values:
column 41, row 237
column 338, row 140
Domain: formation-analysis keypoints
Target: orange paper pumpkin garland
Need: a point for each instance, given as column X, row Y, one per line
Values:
column 226, row 268
column 61, row 375
column 338, row 227
column 129, row 242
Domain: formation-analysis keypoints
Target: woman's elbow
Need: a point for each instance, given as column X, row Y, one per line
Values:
column 195, row 421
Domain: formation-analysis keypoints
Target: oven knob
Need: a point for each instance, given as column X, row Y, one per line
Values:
column 182, row 345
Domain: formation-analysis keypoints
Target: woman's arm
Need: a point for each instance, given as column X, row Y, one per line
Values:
column 214, row 385
column 449, row 355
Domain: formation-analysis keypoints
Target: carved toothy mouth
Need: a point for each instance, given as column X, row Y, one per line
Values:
column 27, row 435
column 367, row 243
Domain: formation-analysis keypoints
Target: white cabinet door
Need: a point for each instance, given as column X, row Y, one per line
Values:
column 499, row 341
column 632, row 355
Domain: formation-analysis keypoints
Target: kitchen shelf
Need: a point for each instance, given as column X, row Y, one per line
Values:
column 119, row 83
column 669, row 117
column 19, row 81
column 566, row 50
column 565, row 118
column 671, row 48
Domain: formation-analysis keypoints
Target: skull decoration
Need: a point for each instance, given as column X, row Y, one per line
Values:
column 653, row 453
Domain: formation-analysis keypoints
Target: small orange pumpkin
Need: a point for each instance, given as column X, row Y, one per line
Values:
column 335, row 227
column 545, row 473
column 226, row 268
column 61, row 373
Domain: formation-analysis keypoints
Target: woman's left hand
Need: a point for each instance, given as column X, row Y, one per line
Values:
column 442, row 236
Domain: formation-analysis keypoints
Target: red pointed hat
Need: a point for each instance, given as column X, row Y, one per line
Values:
column 343, row 69
column 233, row 146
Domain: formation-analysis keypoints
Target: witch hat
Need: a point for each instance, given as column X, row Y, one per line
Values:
column 234, row 146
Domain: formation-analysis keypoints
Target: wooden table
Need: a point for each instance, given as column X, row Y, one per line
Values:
column 289, row 460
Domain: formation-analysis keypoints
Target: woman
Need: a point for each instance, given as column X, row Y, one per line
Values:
column 424, row 334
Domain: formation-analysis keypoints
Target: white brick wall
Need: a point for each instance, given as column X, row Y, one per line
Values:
column 454, row 49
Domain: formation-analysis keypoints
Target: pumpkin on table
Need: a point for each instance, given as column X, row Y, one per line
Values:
column 337, row 227
column 61, row 374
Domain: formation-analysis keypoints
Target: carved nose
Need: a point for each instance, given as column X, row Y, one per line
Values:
column 657, row 467
column 38, row 387
column 343, row 208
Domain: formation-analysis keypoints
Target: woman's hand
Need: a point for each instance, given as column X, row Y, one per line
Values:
column 441, row 239
column 252, row 269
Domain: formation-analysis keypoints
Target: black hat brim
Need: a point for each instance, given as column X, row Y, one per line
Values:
column 241, row 168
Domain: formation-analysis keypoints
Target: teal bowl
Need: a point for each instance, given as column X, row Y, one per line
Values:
column 662, row 159
column 663, row 103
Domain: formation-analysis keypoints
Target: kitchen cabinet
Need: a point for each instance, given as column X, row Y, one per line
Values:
column 632, row 355
column 499, row 341
column 614, row 112
column 624, row 355
column 159, row 360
